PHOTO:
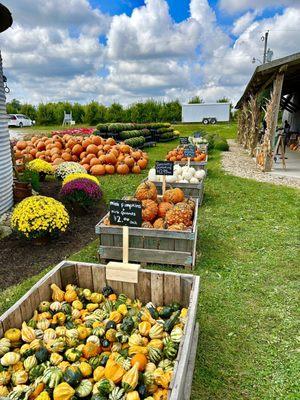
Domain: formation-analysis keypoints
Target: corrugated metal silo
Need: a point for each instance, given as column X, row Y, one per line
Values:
column 6, row 172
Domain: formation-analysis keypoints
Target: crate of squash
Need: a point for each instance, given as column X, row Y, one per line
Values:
column 197, row 162
column 168, row 234
column 76, row 335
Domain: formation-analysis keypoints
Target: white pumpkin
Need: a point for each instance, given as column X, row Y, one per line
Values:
column 187, row 175
column 194, row 180
column 152, row 175
column 171, row 178
column 179, row 177
column 183, row 181
column 200, row 174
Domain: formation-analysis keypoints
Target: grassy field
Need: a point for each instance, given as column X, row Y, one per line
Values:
column 248, row 233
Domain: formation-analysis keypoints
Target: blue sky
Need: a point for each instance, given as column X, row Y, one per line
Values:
column 169, row 49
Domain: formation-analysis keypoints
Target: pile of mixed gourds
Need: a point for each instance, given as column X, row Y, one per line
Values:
column 92, row 345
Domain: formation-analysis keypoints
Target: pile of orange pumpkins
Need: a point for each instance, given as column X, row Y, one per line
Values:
column 178, row 155
column 97, row 155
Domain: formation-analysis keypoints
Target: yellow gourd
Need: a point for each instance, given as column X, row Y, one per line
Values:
column 56, row 358
column 63, row 365
column 137, row 349
column 85, row 369
column 83, row 332
column 43, row 324
column 63, row 392
column 70, row 296
column 130, row 379
column 144, row 328
column 5, row 377
column 13, row 334
column 59, row 318
column 57, row 293
column 28, row 334
column 3, row 391
column 163, row 379
column 115, row 316
column 98, row 373
column 156, row 332
column 96, row 297
column 132, row 396
column 150, row 367
column 92, row 307
column 135, row 340
column 113, row 371
column 156, row 343
column 122, row 309
column 19, row 377
column 10, row 358
column 77, row 305
column 17, row 367
column 43, row 396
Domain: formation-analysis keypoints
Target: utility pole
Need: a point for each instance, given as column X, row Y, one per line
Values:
column 265, row 39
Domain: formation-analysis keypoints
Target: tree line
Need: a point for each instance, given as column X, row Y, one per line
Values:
column 94, row 113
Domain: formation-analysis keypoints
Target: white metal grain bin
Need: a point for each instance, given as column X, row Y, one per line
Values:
column 6, row 171
column 199, row 112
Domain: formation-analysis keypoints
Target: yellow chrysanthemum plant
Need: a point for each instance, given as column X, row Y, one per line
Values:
column 39, row 217
column 71, row 177
column 40, row 166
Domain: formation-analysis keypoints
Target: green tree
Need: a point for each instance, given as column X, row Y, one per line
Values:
column 46, row 114
column 196, row 100
column 29, row 110
column 114, row 113
column 94, row 113
column 78, row 113
column 223, row 100
column 13, row 107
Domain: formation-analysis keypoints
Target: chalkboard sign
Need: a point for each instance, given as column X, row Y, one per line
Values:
column 197, row 135
column 184, row 140
column 125, row 213
column 164, row 167
column 189, row 151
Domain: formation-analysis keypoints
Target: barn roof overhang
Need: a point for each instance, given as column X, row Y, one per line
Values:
column 264, row 75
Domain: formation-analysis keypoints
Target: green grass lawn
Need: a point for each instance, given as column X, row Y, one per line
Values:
column 248, row 314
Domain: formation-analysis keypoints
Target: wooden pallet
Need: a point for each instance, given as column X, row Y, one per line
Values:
column 160, row 287
column 195, row 190
column 149, row 246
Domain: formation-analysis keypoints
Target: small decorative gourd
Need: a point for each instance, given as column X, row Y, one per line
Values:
column 144, row 328
column 4, row 346
column 156, row 332
column 132, row 396
column 4, row 377
column 43, row 324
column 19, row 377
column 56, row 358
column 130, row 379
column 176, row 334
column 117, row 394
column 57, row 293
column 84, row 389
column 135, row 340
column 70, row 295
column 28, row 334
column 13, row 334
column 113, row 371
column 49, row 335
column 98, row 373
column 52, row 377
column 30, row 362
column 63, row 392
column 10, row 358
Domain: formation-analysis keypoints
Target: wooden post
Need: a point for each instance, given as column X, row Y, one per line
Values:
column 255, row 115
column 164, row 184
column 125, row 244
column 272, row 119
column 189, row 162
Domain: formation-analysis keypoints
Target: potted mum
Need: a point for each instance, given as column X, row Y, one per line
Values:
column 42, row 167
column 66, row 168
column 81, row 194
column 39, row 218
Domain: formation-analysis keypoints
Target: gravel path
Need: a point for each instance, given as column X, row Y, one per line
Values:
column 237, row 162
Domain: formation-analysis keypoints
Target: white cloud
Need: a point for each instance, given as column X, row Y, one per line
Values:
column 234, row 6
column 243, row 22
column 53, row 51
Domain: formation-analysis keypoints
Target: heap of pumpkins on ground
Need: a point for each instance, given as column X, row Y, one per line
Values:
column 92, row 345
column 172, row 211
column 97, row 155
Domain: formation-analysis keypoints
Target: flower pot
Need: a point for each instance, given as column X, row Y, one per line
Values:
column 21, row 190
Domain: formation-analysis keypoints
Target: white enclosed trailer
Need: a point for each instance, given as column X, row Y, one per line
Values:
column 206, row 112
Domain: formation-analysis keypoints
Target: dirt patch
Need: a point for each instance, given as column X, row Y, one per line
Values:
column 237, row 162
column 20, row 259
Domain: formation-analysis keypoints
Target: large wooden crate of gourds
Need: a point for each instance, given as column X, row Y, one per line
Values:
column 150, row 246
column 159, row 287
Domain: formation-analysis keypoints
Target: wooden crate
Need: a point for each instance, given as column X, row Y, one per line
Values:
column 195, row 164
column 160, row 287
column 149, row 246
column 195, row 190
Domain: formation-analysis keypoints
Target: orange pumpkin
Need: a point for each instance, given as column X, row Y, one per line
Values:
column 142, row 163
column 90, row 349
column 163, row 207
column 122, row 169
column 21, row 145
column 111, row 141
column 95, row 161
column 98, row 170
column 96, row 140
column 66, row 156
column 77, row 149
column 124, row 148
column 109, row 169
column 136, row 169
column 149, row 210
column 129, row 161
column 92, row 149
column 146, row 190
column 110, row 158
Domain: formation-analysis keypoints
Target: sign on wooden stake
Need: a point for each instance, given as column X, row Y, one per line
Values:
column 124, row 213
column 164, row 168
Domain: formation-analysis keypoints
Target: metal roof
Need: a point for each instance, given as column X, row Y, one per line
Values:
column 5, row 18
column 264, row 75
